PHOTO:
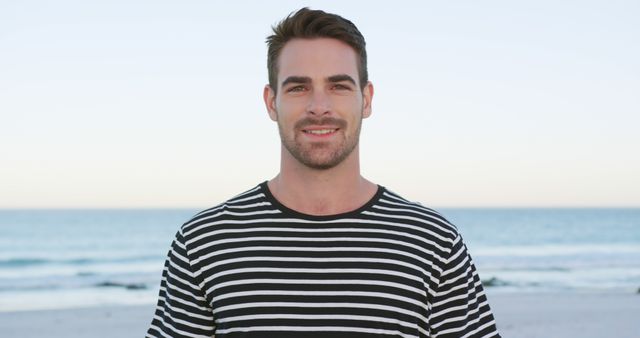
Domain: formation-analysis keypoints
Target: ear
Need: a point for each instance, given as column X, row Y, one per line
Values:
column 269, row 97
column 367, row 97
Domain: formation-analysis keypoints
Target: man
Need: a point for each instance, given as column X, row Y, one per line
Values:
column 319, row 251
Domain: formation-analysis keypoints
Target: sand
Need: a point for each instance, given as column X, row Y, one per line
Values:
column 562, row 315
column 521, row 315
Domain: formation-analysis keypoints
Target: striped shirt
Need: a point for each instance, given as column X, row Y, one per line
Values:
column 251, row 267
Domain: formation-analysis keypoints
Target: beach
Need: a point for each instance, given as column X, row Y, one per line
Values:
column 519, row 315
column 567, row 315
column 548, row 272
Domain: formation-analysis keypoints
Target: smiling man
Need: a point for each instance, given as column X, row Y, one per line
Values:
column 319, row 251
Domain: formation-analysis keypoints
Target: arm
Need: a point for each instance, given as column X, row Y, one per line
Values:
column 182, row 310
column 459, row 307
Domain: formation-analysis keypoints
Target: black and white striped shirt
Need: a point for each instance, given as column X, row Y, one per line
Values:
column 251, row 267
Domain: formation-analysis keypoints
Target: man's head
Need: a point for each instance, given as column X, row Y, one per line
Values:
column 319, row 94
column 310, row 24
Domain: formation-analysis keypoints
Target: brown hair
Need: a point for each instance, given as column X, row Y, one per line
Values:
column 309, row 24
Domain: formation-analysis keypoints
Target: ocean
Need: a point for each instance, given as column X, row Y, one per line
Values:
column 53, row 259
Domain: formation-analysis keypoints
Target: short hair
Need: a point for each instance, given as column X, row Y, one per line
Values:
column 309, row 24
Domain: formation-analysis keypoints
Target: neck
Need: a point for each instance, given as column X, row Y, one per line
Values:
column 321, row 192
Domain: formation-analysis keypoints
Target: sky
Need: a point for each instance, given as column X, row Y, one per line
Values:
column 155, row 104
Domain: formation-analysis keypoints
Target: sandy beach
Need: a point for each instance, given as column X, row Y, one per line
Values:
column 521, row 315
column 567, row 315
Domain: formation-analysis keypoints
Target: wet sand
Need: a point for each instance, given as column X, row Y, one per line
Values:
column 519, row 315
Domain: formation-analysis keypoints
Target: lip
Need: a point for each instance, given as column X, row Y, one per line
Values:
column 314, row 128
column 319, row 128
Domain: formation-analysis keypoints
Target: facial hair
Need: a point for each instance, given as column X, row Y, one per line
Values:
column 311, row 154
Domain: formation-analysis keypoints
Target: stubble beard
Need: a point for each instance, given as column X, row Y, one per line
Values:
column 315, row 155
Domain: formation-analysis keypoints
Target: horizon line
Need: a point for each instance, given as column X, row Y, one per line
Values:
column 204, row 208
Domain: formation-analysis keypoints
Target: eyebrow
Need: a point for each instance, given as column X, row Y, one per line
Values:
column 340, row 78
column 296, row 79
column 306, row 79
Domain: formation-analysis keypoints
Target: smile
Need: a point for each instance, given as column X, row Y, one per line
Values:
column 320, row 131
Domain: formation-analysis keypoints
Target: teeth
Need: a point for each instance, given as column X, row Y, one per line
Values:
column 320, row 131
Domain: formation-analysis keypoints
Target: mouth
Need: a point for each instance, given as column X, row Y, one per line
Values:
column 320, row 131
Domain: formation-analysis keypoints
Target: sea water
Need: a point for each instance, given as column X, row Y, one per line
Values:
column 72, row 258
column 553, row 249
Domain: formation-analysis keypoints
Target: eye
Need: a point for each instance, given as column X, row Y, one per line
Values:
column 339, row 86
column 295, row 89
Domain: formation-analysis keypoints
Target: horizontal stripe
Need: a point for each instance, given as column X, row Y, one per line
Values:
column 184, row 304
column 188, row 293
column 427, row 239
column 316, row 282
column 316, row 329
column 465, row 325
column 364, row 272
column 416, row 219
column 392, row 267
column 317, row 249
column 315, row 260
column 238, row 200
column 182, row 332
column 320, row 293
column 311, row 239
column 323, row 305
column 324, row 317
column 183, row 311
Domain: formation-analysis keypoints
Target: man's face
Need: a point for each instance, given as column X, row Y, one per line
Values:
column 319, row 105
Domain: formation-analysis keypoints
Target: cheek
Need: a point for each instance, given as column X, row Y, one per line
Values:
column 353, row 110
column 290, row 106
column 349, row 103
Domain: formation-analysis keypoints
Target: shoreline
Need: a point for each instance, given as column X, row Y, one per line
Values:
column 518, row 315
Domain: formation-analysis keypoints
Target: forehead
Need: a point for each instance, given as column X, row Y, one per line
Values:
column 317, row 58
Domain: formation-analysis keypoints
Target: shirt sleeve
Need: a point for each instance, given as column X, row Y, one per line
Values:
column 182, row 309
column 459, row 307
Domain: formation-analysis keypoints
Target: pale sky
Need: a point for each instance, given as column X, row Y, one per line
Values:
column 477, row 103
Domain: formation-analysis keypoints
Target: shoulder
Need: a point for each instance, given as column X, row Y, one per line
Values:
column 234, row 210
column 393, row 206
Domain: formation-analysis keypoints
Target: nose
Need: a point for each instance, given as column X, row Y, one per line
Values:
column 319, row 103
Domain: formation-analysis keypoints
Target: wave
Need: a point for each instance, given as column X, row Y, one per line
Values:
column 536, row 268
column 140, row 282
column 53, row 287
column 494, row 281
column 19, row 262
column 128, row 286
column 557, row 250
